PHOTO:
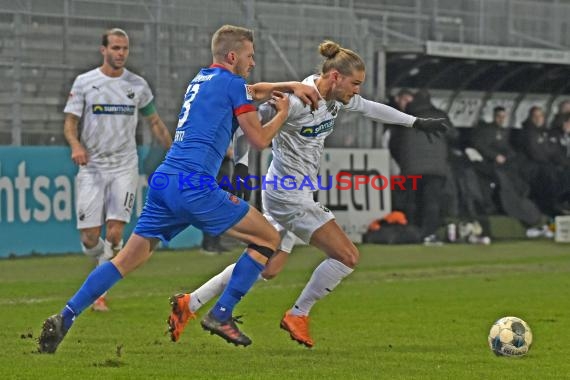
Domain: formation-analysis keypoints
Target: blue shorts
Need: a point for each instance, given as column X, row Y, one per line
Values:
column 170, row 210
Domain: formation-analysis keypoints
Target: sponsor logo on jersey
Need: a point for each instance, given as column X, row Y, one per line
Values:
column 315, row 130
column 113, row 109
column 248, row 92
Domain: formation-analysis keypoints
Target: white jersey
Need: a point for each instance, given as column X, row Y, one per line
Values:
column 299, row 144
column 109, row 108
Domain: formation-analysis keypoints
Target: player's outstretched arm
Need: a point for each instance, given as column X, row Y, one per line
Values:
column 263, row 90
column 260, row 136
column 159, row 130
column 389, row 115
column 78, row 152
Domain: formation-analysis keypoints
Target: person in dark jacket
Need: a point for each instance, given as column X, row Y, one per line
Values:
column 418, row 155
column 391, row 140
column 502, row 167
column 492, row 140
column 536, row 142
column 561, row 159
column 542, row 154
column 563, row 109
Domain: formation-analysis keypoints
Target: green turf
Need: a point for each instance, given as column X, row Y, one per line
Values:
column 407, row 312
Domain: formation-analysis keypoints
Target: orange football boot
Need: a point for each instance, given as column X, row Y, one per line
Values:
column 298, row 328
column 179, row 316
column 100, row 304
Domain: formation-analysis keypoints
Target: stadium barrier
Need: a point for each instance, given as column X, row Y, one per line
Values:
column 37, row 207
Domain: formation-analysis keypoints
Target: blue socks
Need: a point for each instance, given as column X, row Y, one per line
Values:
column 244, row 275
column 98, row 282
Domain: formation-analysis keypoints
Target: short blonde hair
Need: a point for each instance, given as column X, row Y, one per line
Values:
column 336, row 57
column 112, row 32
column 228, row 38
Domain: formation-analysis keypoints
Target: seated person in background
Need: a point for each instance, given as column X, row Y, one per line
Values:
column 561, row 158
column 563, row 109
column 541, row 151
column 501, row 166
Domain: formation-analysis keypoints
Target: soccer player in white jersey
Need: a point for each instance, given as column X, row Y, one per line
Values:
column 107, row 99
column 297, row 150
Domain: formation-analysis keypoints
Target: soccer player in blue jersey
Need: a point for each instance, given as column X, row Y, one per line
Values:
column 216, row 102
column 297, row 151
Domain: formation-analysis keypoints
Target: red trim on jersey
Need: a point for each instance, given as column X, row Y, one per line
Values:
column 244, row 109
column 214, row 65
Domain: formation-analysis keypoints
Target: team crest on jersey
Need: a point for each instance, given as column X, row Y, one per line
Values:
column 234, row 199
column 333, row 109
column 315, row 130
column 248, row 92
column 130, row 93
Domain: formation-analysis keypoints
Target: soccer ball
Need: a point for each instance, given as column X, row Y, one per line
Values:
column 510, row 336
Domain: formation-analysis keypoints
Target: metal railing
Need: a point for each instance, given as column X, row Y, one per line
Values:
column 44, row 44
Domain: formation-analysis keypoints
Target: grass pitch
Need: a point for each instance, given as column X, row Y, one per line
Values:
column 407, row 312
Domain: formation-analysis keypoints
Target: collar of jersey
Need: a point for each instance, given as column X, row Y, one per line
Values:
column 310, row 81
column 217, row 65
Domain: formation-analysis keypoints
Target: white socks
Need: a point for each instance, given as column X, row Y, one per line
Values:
column 214, row 287
column 210, row 289
column 108, row 252
column 95, row 251
column 103, row 251
column 324, row 279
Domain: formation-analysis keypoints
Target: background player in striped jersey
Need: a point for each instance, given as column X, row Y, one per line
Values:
column 297, row 150
column 107, row 99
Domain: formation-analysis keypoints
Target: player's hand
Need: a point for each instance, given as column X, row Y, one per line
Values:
column 79, row 154
column 241, row 184
column 431, row 127
column 280, row 101
column 308, row 95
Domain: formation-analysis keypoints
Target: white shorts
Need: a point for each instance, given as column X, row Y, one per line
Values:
column 102, row 196
column 288, row 238
column 295, row 216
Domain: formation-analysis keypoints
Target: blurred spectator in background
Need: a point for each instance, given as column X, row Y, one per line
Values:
column 501, row 167
column 418, row 154
column 535, row 142
column 541, row 151
column 561, row 138
column 563, row 109
column 390, row 140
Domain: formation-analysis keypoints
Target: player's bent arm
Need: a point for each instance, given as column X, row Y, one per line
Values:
column 257, row 135
column 159, row 130
column 262, row 91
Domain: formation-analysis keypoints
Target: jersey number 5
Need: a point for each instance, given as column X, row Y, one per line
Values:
column 191, row 92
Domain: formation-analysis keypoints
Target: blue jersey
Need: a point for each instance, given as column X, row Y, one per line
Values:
column 207, row 122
